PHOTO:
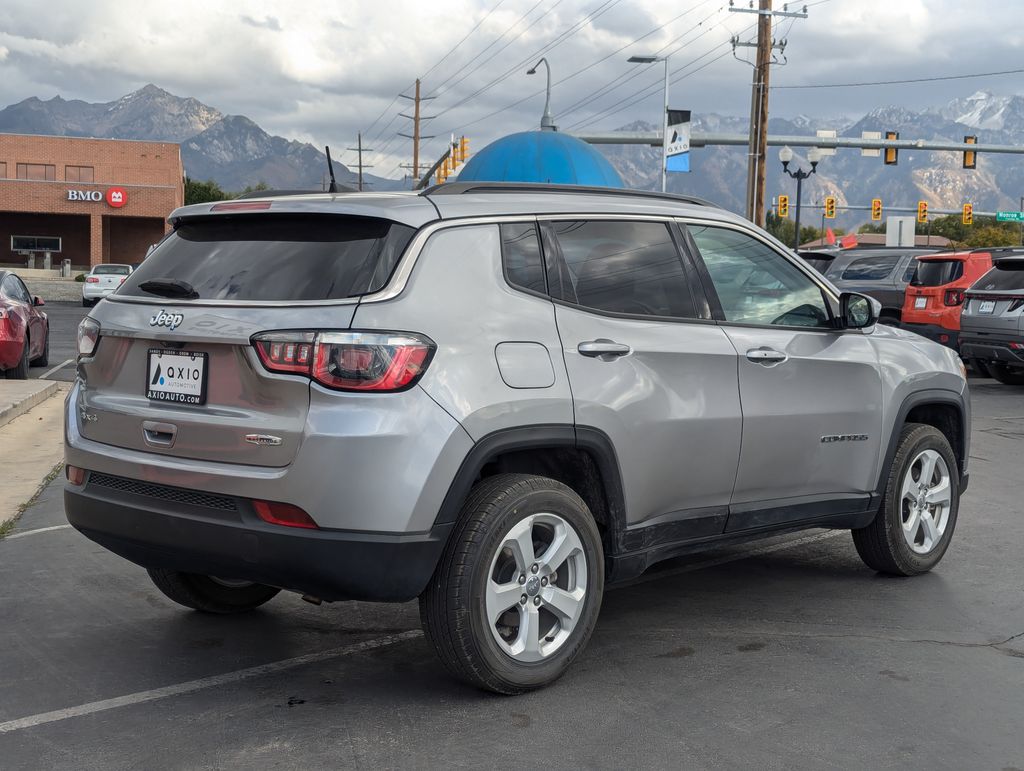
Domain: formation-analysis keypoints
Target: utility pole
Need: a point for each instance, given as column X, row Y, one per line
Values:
column 360, row 150
column 759, row 100
column 416, row 117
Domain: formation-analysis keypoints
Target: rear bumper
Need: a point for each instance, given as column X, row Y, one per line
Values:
column 168, row 528
column 992, row 349
column 91, row 292
column 10, row 353
column 939, row 334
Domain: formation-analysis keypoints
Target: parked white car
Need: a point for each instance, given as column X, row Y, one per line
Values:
column 102, row 280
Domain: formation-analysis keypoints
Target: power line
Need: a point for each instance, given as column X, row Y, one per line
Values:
column 907, row 80
column 455, row 48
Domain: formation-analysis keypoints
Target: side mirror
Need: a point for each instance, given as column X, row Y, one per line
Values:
column 38, row 301
column 857, row 311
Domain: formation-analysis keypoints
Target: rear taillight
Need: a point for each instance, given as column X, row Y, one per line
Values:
column 348, row 361
column 283, row 514
column 88, row 336
column 954, row 297
column 91, row 280
column 1017, row 346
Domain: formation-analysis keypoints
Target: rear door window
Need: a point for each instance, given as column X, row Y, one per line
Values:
column 276, row 257
column 622, row 266
column 111, row 270
column 871, row 268
column 520, row 252
column 1005, row 276
column 937, row 272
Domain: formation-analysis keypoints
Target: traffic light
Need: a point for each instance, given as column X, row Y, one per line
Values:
column 968, row 215
column 970, row 156
column 876, row 209
column 830, row 207
column 453, row 153
column 463, row 149
column 922, row 211
column 889, row 153
column 783, row 206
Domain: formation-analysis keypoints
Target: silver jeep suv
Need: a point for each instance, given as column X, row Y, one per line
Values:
column 498, row 399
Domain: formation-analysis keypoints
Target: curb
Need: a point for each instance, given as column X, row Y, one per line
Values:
column 24, row 397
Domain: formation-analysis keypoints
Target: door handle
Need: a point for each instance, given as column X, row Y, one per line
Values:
column 769, row 357
column 606, row 350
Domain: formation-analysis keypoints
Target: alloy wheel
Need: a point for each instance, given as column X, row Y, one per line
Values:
column 925, row 501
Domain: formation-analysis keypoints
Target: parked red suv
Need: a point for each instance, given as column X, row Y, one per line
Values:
column 24, row 329
column 935, row 295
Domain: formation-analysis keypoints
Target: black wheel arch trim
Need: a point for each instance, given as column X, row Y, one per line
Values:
column 592, row 440
column 919, row 399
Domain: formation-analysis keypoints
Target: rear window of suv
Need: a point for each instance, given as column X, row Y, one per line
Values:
column 276, row 257
column 937, row 272
column 1004, row 276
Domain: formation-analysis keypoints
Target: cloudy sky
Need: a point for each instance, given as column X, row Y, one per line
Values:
column 321, row 71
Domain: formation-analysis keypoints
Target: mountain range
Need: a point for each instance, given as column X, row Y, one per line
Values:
column 230, row 149
column 234, row 151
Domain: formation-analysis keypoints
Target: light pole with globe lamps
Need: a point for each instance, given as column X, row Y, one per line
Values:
column 786, row 156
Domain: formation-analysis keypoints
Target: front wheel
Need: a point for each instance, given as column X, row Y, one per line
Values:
column 912, row 531
column 20, row 372
column 516, row 595
column 1006, row 375
column 210, row 594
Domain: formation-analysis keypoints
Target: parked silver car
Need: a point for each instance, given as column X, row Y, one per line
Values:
column 497, row 399
column 992, row 321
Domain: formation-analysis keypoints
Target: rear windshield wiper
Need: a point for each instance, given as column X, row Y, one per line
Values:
column 170, row 287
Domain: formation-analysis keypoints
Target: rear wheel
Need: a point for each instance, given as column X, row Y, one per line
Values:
column 20, row 372
column 911, row 532
column 980, row 368
column 210, row 594
column 1006, row 375
column 516, row 595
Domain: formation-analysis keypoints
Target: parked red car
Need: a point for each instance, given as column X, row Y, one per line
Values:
column 24, row 329
column 935, row 296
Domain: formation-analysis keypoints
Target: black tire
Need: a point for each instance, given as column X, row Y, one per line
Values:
column 208, row 595
column 1006, row 375
column 452, row 607
column 44, row 357
column 20, row 372
column 889, row 319
column 881, row 544
column 980, row 368
column 86, row 303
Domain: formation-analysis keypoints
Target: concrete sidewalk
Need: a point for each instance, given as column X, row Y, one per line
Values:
column 32, row 435
column 19, row 396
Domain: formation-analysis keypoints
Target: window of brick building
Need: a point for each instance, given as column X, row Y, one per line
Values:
column 3, row 170
column 78, row 174
column 42, row 171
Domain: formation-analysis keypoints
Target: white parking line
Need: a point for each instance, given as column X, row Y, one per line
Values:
column 204, row 682
column 50, row 371
column 33, row 532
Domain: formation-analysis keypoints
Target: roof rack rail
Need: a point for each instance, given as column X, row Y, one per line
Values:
column 1000, row 251
column 283, row 193
column 462, row 188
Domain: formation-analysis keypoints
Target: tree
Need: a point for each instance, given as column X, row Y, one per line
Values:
column 261, row 185
column 871, row 227
column 783, row 228
column 992, row 235
column 203, row 192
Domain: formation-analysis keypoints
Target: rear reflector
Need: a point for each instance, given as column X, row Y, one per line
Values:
column 75, row 475
column 283, row 514
column 348, row 361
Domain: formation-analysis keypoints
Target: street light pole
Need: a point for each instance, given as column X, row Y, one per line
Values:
column 664, row 118
column 547, row 123
column 786, row 156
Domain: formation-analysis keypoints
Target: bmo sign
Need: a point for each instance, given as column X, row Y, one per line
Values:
column 115, row 197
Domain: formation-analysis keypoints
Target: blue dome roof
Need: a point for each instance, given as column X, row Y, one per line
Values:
column 541, row 156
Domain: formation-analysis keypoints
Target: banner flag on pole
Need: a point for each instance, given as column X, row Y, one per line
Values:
column 678, row 149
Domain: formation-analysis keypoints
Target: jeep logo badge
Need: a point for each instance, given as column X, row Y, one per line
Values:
column 164, row 319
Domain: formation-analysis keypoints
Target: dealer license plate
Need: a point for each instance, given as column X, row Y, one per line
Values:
column 176, row 376
column 921, row 302
column 988, row 306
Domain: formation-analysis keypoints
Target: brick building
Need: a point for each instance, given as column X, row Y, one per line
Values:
column 86, row 200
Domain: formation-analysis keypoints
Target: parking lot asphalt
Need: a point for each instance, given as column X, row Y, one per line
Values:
column 780, row 654
column 64, row 318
